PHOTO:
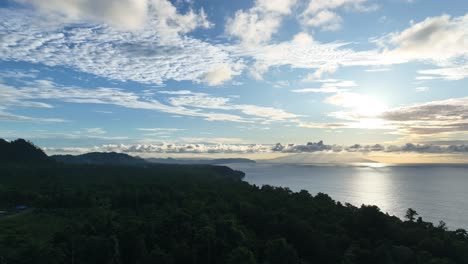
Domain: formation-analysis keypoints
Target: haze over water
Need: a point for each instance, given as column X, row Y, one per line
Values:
column 436, row 192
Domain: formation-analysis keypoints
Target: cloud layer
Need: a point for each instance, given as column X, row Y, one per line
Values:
column 311, row 147
column 183, row 102
column 153, row 55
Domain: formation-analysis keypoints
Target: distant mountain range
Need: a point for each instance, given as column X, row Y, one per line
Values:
column 24, row 151
column 199, row 161
column 21, row 150
column 313, row 158
column 102, row 158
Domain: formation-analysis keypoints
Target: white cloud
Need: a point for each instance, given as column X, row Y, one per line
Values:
column 5, row 116
column 306, row 53
column 193, row 104
column 152, row 55
column 328, row 86
column 440, row 40
column 361, row 103
column 450, row 74
column 171, row 148
column 204, row 147
column 179, row 92
column 170, row 21
column 325, row 89
column 422, row 89
column 161, row 51
column 95, row 131
column 325, row 69
column 159, row 129
column 276, row 6
column 326, row 19
column 432, row 118
column 259, row 113
column 268, row 113
column 309, row 147
column 123, row 14
column 377, row 70
column 219, row 75
column 160, row 132
column 321, row 14
column 258, row 24
column 30, row 96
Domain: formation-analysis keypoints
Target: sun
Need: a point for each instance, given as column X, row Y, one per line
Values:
column 367, row 106
column 368, row 111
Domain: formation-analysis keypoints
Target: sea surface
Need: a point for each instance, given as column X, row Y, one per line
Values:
column 436, row 192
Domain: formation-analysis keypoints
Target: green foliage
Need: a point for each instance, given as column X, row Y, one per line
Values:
column 241, row 255
column 197, row 214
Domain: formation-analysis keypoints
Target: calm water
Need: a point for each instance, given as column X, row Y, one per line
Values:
column 436, row 192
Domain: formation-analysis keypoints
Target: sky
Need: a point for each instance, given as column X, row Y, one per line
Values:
column 385, row 80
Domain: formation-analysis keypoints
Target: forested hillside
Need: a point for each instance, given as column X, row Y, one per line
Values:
column 57, row 213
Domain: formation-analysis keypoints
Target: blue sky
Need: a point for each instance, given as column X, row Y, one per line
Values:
column 160, row 77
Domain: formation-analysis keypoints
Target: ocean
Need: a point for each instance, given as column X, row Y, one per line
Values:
column 437, row 192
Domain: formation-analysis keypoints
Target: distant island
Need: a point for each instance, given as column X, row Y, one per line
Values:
column 200, row 161
column 102, row 208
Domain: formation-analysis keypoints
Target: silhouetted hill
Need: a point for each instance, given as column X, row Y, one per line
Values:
column 108, row 158
column 199, row 161
column 21, row 150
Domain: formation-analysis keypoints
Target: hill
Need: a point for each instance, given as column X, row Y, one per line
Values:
column 21, row 151
column 108, row 158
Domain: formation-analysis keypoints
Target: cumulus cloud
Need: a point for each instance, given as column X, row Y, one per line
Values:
column 440, row 40
column 220, row 74
column 443, row 35
column 309, row 147
column 258, row 24
column 326, row 19
column 321, row 14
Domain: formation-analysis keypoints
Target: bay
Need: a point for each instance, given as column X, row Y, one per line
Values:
column 438, row 192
